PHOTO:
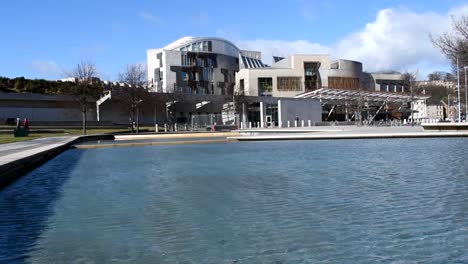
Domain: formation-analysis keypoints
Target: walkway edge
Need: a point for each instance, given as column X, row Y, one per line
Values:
column 316, row 136
column 14, row 166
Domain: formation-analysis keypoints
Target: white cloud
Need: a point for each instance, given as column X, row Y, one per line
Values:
column 47, row 67
column 150, row 17
column 398, row 39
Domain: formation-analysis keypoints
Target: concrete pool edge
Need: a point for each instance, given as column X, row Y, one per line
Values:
column 328, row 136
column 29, row 156
column 142, row 144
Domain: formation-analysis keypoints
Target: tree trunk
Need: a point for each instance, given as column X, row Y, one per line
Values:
column 133, row 119
column 84, row 121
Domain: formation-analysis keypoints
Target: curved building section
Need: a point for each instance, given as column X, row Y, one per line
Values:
column 195, row 65
column 345, row 74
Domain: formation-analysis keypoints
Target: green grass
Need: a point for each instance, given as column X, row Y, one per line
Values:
column 9, row 138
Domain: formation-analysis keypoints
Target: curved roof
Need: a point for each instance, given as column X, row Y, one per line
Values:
column 188, row 40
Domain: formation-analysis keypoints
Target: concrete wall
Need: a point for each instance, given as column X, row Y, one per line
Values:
column 48, row 108
column 290, row 109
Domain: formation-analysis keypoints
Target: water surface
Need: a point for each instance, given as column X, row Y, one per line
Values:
column 345, row 201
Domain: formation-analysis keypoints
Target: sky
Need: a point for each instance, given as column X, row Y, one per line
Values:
column 48, row 38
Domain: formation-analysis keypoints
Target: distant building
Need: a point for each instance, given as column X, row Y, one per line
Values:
column 447, row 84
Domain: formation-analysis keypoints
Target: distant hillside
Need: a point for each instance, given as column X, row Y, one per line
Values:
column 40, row 86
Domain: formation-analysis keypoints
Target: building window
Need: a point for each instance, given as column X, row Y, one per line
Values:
column 184, row 76
column 289, row 83
column 241, row 85
column 311, row 76
column 265, row 86
column 185, row 60
column 208, row 74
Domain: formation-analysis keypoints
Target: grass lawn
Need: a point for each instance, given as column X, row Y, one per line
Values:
column 9, row 138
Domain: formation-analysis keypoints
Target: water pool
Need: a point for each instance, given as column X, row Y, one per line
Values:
column 344, row 201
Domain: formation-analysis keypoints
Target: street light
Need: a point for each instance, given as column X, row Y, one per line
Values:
column 459, row 105
column 466, row 94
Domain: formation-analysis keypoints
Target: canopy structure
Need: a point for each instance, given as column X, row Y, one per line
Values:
column 341, row 97
column 362, row 104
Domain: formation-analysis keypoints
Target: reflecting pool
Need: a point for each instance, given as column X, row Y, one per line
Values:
column 342, row 201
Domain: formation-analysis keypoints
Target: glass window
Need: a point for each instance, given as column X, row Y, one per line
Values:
column 265, row 86
column 205, row 45
column 185, row 60
column 208, row 74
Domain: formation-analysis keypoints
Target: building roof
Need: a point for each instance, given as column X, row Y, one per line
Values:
column 187, row 40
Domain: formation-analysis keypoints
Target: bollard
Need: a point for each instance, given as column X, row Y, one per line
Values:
column 295, row 123
column 302, row 123
column 288, row 124
column 165, row 127
column 186, row 127
column 309, row 123
column 156, row 128
column 280, row 124
column 250, row 125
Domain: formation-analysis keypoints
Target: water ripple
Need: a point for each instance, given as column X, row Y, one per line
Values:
column 356, row 201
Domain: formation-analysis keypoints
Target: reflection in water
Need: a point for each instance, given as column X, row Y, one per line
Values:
column 26, row 205
column 358, row 201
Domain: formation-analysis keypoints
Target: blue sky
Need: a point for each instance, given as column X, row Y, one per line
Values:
column 45, row 39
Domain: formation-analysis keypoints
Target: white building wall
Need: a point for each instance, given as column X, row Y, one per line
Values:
column 152, row 63
column 302, row 110
column 170, row 58
column 435, row 112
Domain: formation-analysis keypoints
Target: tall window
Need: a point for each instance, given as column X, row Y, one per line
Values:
column 208, row 74
column 311, row 76
column 185, row 60
column 289, row 83
column 241, row 85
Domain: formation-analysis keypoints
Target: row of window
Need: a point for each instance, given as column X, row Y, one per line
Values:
column 207, row 75
column 284, row 84
column 190, row 60
column 289, row 84
column 347, row 83
column 198, row 46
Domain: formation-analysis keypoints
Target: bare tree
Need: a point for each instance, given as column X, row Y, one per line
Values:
column 408, row 82
column 87, row 88
column 134, row 91
column 455, row 44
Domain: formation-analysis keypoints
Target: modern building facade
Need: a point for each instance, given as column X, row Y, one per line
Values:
column 216, row 67
column 298, row 74
column 198, row 65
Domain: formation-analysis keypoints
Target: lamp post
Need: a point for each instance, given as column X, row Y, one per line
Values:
column 459, row 105
column 466, row 94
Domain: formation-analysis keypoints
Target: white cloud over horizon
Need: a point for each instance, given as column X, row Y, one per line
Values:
column 47, row 67
column 398, row 39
